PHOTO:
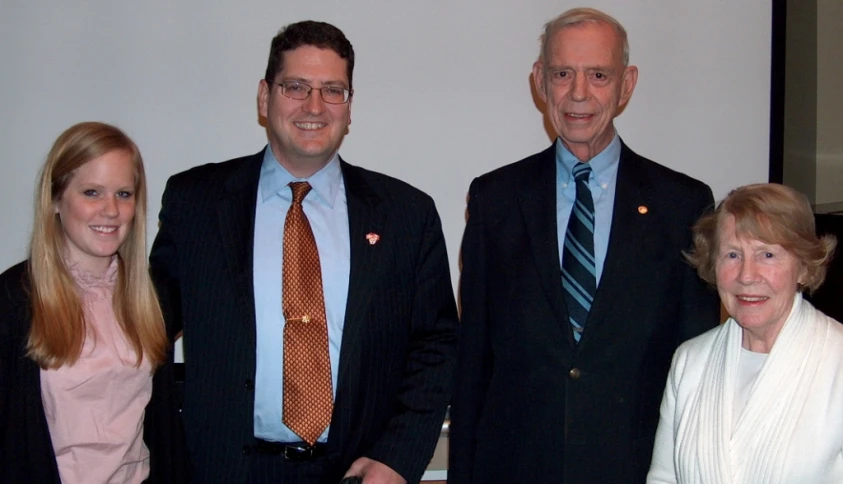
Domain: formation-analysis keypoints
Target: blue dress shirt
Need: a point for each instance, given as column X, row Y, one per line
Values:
column 327, row 211
column 602, row 182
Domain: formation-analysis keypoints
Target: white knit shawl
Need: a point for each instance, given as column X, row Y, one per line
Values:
column 708, row 450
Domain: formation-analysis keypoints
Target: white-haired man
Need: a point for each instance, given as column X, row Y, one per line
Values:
column 574, row 290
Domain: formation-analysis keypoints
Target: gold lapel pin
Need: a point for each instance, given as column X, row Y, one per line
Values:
column 372, row 238
column 642, row 209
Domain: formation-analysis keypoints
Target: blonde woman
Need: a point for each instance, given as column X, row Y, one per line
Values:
column 85, row 363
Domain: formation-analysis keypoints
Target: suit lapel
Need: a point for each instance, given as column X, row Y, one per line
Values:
column 628, row 226
column 537, row 198
column 236, row 215
column 365, row 216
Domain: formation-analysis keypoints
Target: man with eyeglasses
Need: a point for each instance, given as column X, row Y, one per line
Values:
column 314, row 296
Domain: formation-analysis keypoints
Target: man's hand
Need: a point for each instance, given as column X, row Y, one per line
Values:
column 373, row 472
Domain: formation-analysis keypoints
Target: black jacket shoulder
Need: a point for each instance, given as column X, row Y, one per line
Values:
column 542, row 164
column 666, row 177
column 526, row 168
column 13, row 282
column 14, row 299
column 387, row 188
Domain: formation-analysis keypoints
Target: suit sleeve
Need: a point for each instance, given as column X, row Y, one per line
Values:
column 475, row 361
column 163, row 433
column 163, row 263
column 14, row 328
column 163, row 430
column 700, row 303
column 408, row 442
column 662, row 470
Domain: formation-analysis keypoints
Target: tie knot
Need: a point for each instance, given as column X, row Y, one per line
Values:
column 300, row 190
column 581, row 172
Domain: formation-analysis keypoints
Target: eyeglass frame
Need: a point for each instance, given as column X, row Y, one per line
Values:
column 347, row 93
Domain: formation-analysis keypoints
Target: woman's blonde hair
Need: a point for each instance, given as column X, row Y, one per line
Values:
column 58, row 327
column 774, row 214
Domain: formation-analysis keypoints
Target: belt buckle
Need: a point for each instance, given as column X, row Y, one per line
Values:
column 298, row 452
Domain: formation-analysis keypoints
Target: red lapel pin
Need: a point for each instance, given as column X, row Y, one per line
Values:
column 372, row 238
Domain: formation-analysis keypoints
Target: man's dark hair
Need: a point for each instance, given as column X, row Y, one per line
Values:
column 308, row 32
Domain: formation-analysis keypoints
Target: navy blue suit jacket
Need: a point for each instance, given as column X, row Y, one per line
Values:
column 530, row 405
column 399, row 340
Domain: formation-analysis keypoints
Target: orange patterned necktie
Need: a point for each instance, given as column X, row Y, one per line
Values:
column 308, row 398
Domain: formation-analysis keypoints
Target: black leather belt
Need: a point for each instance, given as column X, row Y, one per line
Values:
column 297, row 451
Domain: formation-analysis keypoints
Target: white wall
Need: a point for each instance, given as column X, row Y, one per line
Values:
column 442, row 89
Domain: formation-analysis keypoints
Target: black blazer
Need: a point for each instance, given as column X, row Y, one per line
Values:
column 26, row 451
column 532, row 406
column 399, row 339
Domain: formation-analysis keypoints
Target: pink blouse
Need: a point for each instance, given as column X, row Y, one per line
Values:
column 95, row 408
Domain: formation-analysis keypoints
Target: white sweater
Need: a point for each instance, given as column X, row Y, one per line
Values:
column 791, row 430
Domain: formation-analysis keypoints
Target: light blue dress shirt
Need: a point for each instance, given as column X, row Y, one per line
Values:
column 601, row 182
column 327, row 211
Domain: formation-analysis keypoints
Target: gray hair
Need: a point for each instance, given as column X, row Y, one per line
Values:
column 577, row 16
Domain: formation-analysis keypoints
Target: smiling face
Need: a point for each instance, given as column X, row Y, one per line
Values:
column 583, row 81
column 97, row 208
column 757, row 282
column 304, row 134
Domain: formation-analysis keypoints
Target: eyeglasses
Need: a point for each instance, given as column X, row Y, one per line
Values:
column 300, row 91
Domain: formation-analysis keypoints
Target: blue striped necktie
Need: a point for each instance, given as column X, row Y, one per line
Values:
column 579, row 275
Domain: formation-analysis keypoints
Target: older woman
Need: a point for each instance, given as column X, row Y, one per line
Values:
column 759, row 399
column 81, row 331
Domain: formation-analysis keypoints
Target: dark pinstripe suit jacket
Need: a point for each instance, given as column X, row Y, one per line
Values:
column 399, row 338
column 530, row 405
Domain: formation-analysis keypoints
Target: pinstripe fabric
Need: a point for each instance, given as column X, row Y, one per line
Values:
column 578, row 271
column 267, row 468
column 399, row 338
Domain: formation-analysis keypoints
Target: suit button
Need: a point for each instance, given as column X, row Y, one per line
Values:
column 247, row 449
column 574, row 374
column 250, row 385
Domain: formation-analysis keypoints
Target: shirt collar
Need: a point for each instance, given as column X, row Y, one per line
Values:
column 275, row 178
column 604, row 165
